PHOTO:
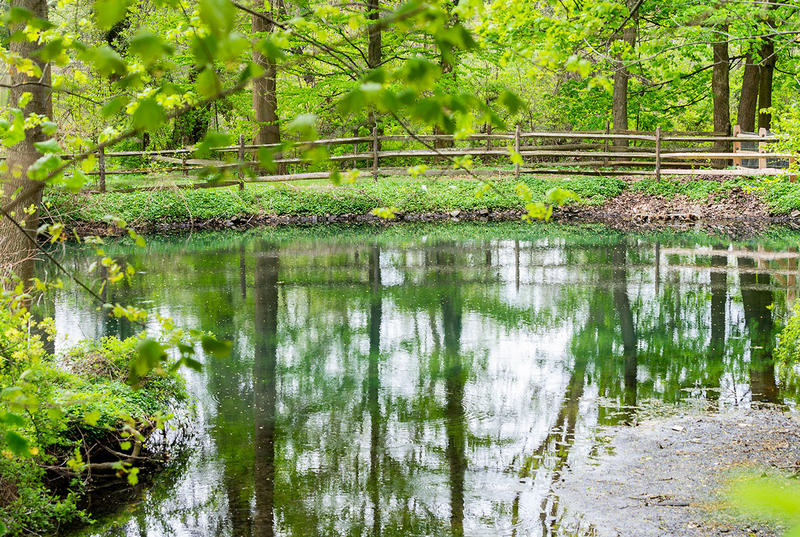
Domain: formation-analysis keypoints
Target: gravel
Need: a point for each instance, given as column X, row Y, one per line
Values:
column 664, row 477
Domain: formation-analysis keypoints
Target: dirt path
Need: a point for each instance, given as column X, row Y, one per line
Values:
column 663, row 477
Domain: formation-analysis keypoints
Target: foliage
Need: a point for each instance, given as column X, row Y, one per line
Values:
column 788, row 347
column 26, row 505
column 774, row 498
column 407, row 195
column 54, row 406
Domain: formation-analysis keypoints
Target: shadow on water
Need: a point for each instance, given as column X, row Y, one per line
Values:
column 432, row 386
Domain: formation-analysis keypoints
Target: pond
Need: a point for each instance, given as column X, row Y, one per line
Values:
column 416, row 380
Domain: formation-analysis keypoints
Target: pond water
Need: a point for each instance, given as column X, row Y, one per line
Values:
column 436, row 381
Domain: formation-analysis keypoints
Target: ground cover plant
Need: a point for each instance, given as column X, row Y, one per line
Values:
column 73, row 416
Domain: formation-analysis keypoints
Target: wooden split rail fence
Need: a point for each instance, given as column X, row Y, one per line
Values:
column 632, row 153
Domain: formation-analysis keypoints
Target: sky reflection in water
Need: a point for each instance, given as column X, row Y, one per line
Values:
column 433, row 384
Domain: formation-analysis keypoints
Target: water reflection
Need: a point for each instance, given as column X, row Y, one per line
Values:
column 433, row 387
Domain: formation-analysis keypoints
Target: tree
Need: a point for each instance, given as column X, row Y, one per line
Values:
column 265, row 96
column 30, row 92
column 720, row 87
column 619, row 101
column 748, row 102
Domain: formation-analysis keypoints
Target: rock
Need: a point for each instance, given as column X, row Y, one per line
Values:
column 455, row 213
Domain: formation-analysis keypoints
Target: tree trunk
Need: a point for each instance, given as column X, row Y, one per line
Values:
column 767, row 70
column 757, row 300
column 619, row 102
column 448, row 71
column 265, row 393
column 748, row 102
column 14, row 246
column 622, row 305
column 765, row 84
column 374, row 56
column 720, row 86
column 374, row 322
column 265, row 96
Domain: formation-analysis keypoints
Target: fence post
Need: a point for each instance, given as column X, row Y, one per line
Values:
column 516, row 149
column 355, row 148
column 375, row 153
column 658, row 153
column 101, row 167
column 762, row 148
column 241, row 161
column 737, row 146
column 605, row 143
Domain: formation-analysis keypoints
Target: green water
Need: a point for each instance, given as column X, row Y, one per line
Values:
column 433, row 380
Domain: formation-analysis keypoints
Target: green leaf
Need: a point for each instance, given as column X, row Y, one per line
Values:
column 17, row 443
column 91, row 418
column 211, row 345
column 48, row 147
column 510, row 101
column 387, row 213
column 51, row 50
column 44, row 166
column 12, row 419
column 193, row 364
column 559, row 196
column 115, row 105
column 211, row 140
column 266, row 158
column 421, row 74
column 105, row 60
column 17, row 15
column 149, row 115
column 271, row 49
column 218, row 15
column 110, row 12
column 208, row 83
column 133, row 476
column 75, row 182
column 305, row 125
column 150, row 353
column 149, row 47
column 49, row 128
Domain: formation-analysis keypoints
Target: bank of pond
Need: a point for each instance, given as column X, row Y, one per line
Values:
column 407, row 380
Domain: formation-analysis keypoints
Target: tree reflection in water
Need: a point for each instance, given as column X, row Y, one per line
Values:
column 434, row 387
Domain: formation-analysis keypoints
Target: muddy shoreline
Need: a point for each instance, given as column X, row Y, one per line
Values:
column 631, row 220
column 665, row 477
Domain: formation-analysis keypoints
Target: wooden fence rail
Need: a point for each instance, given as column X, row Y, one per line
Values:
column 636, row 153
